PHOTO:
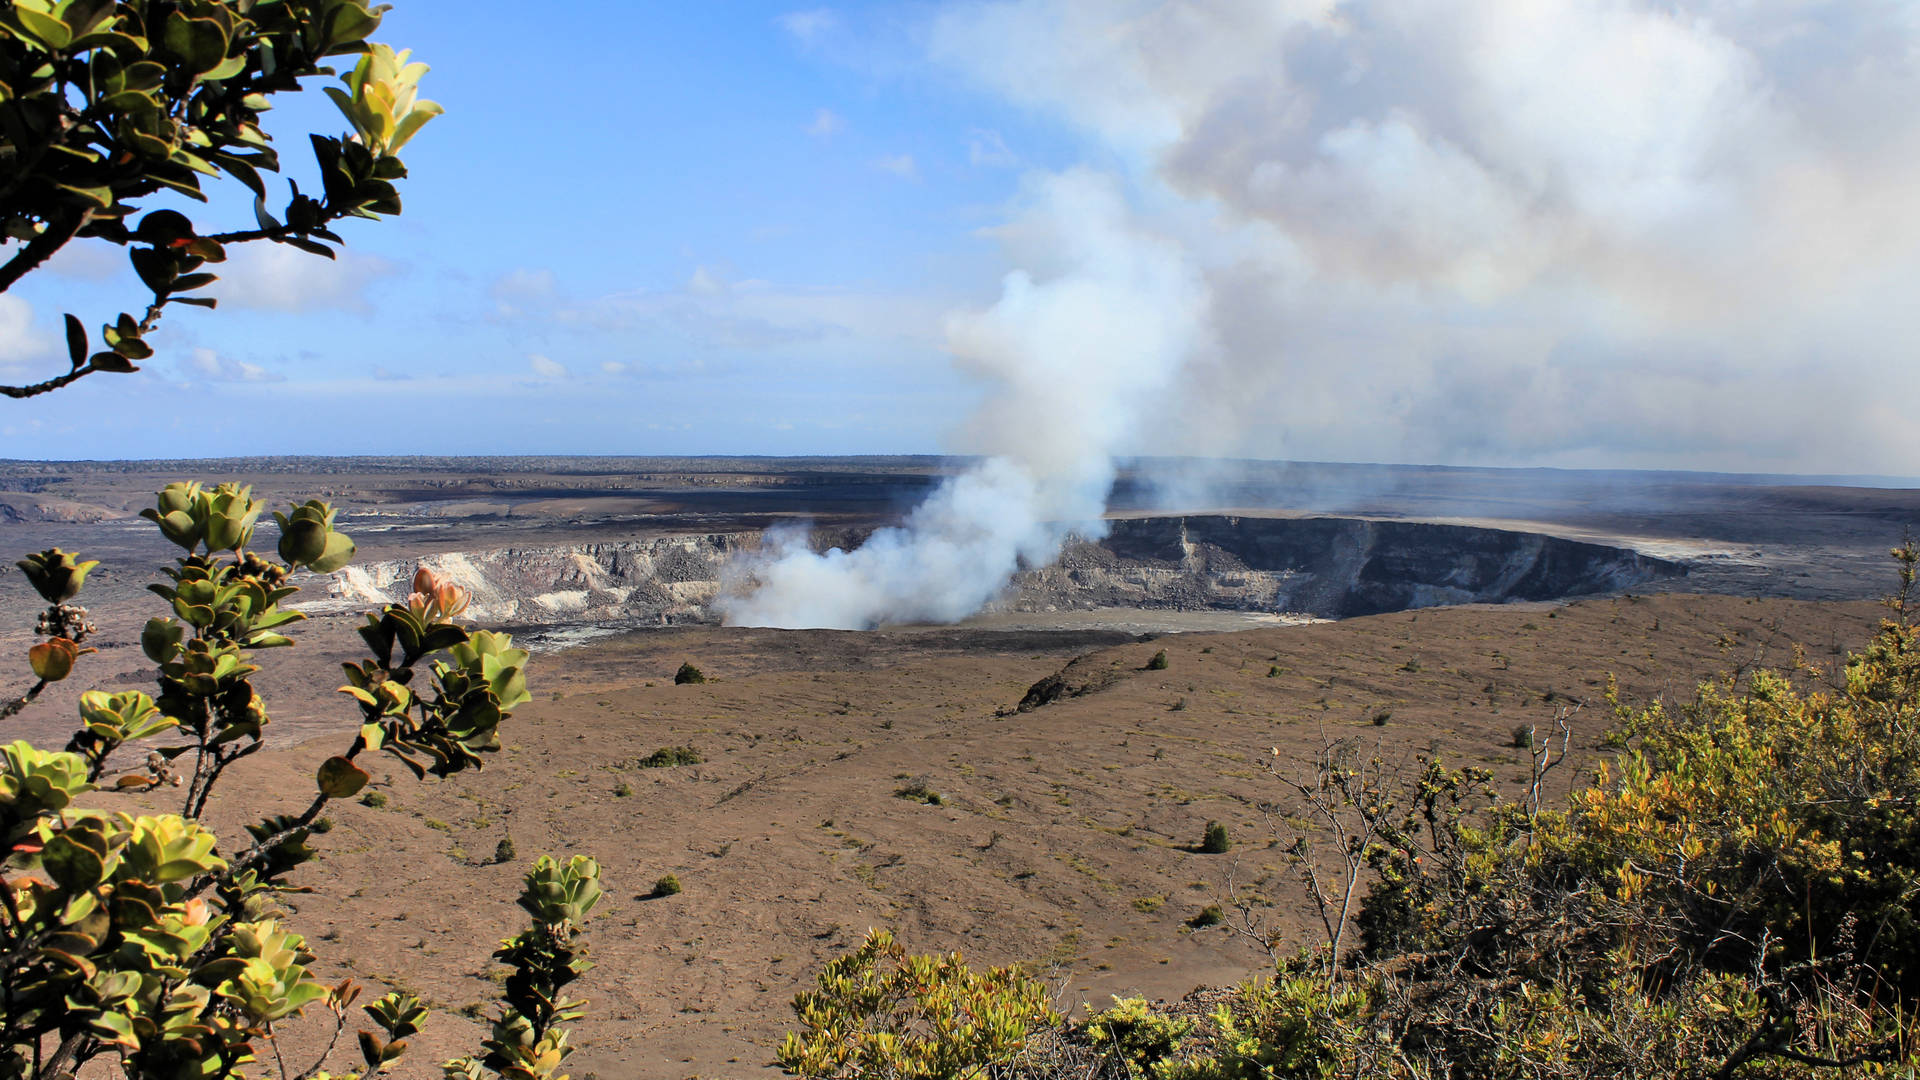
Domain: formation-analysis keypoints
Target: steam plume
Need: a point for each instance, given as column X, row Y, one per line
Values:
column 1084, row 338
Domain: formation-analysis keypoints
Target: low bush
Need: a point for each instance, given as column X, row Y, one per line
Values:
column 1158, row 662
column 1214, row 839
column 920, row 789
column 881, row 1012
column 688, row 674
column 668, row 885
column 668, row 757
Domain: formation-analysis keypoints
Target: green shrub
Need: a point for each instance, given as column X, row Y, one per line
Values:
column 668, row 885
column 688, row 674
column 920, row 789
column 374, row 799
column 1214, row 839
column 504, row 852
column 140, row 944
column 1211, row 915
column 1381, row 718
column 622, row 790
column 668, row 757
column 1137, row 1036
column 879, row 1012
column 1159, row 661
column 1522, row 737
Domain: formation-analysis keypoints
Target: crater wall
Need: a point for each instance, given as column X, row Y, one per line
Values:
column 1326, row 566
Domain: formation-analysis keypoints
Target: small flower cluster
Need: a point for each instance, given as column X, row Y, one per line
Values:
column 434, row 598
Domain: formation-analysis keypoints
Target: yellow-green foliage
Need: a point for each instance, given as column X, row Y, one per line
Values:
column 1737, row 895
column 139, row 941
column 879, row 1011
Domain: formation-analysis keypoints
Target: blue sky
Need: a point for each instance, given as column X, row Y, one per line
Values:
column 1572, row 233
column 760, row 235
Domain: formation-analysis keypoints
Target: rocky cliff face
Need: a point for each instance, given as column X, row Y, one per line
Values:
column 653, row 582
column 1329, row 567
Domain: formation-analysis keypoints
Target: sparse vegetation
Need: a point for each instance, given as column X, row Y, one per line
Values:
column 688, row 674
column 667, row 885
column 920, row 789
column 668, row 757
column 1158, row 662
column 374, row 799
column 1214, row 839
column 1732, row 897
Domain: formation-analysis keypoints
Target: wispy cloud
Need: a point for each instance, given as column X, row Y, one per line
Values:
column 826, row 124
column 546, row 367
column 21, row 342
column 986, row 149
column 900, row 165
column 809, row 25
column 205, row 365
column 275, row 277
column 521, row 289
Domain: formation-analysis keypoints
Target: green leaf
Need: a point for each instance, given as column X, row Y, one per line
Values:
column 339, row 552
column 133, row 348
column 73, row 865
column 76, row 342
column 101, row 197
column 44, row 28
column 308, row 246
column 339, row 778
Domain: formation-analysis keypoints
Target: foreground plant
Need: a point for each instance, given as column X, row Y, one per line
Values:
column 879, row 1011
column 139, row 937
column 109, row 102
column 1737, row 895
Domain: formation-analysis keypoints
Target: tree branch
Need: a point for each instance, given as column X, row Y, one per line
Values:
column 40, row 248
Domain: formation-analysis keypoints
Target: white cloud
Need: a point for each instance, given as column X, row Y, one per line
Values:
column 826, row 124
column 546, row 367
column 613, row 367
column 810, row 25
column 276, row 277
column 1564, row 232
column 205, row 365
column 520, row 290
column 21, row 342
column 89, row 260
column 900, row 165
column 986, row 148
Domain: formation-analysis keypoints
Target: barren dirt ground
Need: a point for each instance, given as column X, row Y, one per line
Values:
column 1065, row 836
